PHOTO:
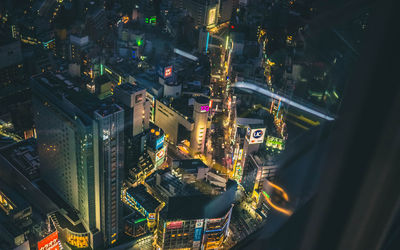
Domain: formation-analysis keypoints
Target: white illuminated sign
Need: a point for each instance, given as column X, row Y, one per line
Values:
column 256, row 136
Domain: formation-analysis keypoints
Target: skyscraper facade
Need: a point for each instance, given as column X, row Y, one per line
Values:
column 204, row 12
column 81, row 149
column 111, row 161
column 200, row 117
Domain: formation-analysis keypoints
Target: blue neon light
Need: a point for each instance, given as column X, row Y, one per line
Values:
column 215, row 230
column 160, row 142
column 133, row 54
column 197, row 234
column 279, row 108
column 208, row 39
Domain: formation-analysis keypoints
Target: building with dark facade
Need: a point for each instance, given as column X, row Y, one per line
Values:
column 81, row 149
column 11, row 63
column 204, row 12
column 258, row 166
column 193, row 222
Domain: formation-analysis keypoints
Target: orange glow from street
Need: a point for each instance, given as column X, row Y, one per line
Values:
column 279, row 209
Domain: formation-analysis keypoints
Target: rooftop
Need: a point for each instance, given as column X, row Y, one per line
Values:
column 191, row 164
column 106, row 110
column 63, row 92
column 146, row 200
column 64, row 222
column 130, row 87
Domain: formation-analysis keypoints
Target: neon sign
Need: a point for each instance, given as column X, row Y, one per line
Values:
column 205, row 108
column 167, row 71
column 174, row 224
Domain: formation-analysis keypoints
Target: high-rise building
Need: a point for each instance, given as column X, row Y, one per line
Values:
column 137, row 107
column 110, row 120
column 81, row 150
column 78, row 45
column 259, row 166
column 11, row 65
column 225, row 11
column 204, row 12
column 200, row 117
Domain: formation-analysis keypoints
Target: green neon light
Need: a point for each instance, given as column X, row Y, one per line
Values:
column 139, row 42
column 266, row 195
column 140, row 220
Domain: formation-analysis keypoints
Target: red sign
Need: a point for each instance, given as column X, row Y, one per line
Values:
column 174, row 224
column 49, row 243
column 167, row 71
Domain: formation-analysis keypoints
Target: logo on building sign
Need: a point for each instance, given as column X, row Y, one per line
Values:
column 160, row 154
column 257, row 135
column 205, row 108
column 50, row 242
column 167, row 71
column 174, row 224
column 199, row 223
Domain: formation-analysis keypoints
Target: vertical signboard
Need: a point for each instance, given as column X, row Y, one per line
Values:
column 160, row 142
column 198, row 231
column 167, row 71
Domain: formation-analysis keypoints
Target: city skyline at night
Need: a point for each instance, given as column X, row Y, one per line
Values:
column 198, row 124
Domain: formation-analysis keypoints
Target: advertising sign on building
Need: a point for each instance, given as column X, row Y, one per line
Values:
column 275, row 143
column 211, row 16
column 256, row 135
column 197, row 234
column 160, row 142
column 167, row 71
column 160, row 154
column 174, row 224
column 205, row 108
column 199, row 223
column 50, row 242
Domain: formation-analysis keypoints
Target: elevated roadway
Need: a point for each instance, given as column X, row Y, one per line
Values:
column 278, row 96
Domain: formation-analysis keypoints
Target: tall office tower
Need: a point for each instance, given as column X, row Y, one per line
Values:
column 110, row 120
column 78, row 45
column 204, row 12
column 225, row 11
column 67, row 146
column 11, row 62
column 137, row 107
column 81, row 149
column 178, row 4
column 200, row 117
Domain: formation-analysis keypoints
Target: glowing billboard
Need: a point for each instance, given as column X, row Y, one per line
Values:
column 211, row 16
column 205, row 108
column 50, row 242
column 255, row 136
column 152, row 216
column 174, row 224
column 167, row 71
column 160, row 155
column 275, row 143
column 160, row 142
